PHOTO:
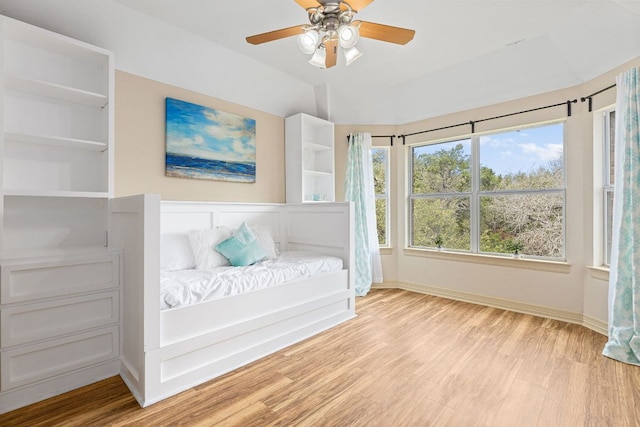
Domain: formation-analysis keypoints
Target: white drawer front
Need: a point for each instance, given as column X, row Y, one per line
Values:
column 30, row 281
column 41, row 361
column 29, row 322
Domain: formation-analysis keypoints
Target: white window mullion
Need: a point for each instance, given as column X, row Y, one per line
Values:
column 475, row 198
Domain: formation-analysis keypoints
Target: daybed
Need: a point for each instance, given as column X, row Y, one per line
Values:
column 168, row 351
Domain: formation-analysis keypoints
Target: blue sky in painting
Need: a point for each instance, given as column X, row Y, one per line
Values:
column 202, row 132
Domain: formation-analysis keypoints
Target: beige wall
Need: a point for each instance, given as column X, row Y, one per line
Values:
column 571, row 288
column 140, row 147
column 139, row 168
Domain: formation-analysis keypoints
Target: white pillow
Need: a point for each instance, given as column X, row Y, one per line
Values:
column 265, row 237
column 175, row 252
column 203, row 244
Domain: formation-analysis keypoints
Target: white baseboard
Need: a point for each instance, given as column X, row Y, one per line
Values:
column 595, row 325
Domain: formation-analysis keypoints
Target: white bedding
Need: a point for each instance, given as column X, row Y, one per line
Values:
column 185, row 287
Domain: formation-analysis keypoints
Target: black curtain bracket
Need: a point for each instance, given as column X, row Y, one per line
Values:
column 391, row 137
column 590, row 104
column 568, row 108
column 590, row 97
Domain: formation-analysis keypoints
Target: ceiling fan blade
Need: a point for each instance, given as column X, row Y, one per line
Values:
column 331, row 47
column 275, row 35
column 306, row 4
column 356, row 5
column 385, row 33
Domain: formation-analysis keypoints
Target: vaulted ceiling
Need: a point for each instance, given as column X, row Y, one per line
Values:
column 466, row 53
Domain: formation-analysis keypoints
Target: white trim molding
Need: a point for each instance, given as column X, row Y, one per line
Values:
column 502, row 261
column 600, row 273
column 594, row 324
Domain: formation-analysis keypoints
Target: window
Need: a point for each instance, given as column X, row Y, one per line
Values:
column 609, row 121
column 491, row 193
column 380, row 156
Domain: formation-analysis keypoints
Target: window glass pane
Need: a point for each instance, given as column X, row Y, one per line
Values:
column 611, row 135
column 534, row 220
column 381, row 220
column 447, row 217
column 528, row 158
column 379, row 157
column 608, row 224
column 442, row 168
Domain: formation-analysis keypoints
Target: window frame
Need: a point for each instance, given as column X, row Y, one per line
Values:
column 475, row 194
column 607, row 186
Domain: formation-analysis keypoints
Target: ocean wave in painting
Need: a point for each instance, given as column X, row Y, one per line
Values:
column 197, row 168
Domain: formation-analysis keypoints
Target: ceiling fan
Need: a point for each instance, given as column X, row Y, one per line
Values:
column 332, row 24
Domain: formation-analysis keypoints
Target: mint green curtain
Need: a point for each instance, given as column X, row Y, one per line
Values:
column 624, row 274
column 359, row 189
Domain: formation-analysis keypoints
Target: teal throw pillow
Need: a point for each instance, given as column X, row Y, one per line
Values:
column 243, row 248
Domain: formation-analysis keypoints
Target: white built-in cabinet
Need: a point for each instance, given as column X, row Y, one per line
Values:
column 309, row 159
column 59, row 279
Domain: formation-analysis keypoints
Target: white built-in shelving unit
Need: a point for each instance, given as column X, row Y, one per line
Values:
column 59, row 280
column 309, row 158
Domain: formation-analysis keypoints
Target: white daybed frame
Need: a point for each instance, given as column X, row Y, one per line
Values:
column 166, row 352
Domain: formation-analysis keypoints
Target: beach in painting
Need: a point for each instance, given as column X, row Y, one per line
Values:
column 196, row 168
column 204, row 143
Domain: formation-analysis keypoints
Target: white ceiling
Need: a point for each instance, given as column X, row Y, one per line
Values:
column 466, row 53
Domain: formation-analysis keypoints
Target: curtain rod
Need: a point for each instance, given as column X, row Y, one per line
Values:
column 391, row 137
column 472, row 123
column 589, row 97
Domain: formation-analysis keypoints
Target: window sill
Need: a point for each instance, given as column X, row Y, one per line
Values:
column 524, row 263
column 386, row 250
column 600, row 273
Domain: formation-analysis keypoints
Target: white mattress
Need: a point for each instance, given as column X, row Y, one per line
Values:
column 185, row 287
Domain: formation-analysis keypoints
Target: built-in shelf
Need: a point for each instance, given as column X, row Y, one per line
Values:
column 57, row 44
column 56, row 141
column 55, row 193
column 56, row 179
column 56, row 91
column 27, row 255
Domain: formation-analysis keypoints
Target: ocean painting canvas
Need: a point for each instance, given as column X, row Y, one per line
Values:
column 204, row 143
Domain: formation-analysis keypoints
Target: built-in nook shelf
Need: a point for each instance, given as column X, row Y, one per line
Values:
column 56, row 91
column 316, row 147
column 309, row 159
column 317, row 173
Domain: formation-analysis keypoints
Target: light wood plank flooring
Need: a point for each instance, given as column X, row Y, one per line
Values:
column 407, row 360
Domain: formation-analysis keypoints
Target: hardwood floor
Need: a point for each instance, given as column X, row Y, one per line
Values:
column 407, row 360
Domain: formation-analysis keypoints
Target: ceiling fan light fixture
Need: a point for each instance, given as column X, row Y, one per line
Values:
column 307, row 41
column 348, row 36
column 319, row 57
column 351, row 54
column 332, row 27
